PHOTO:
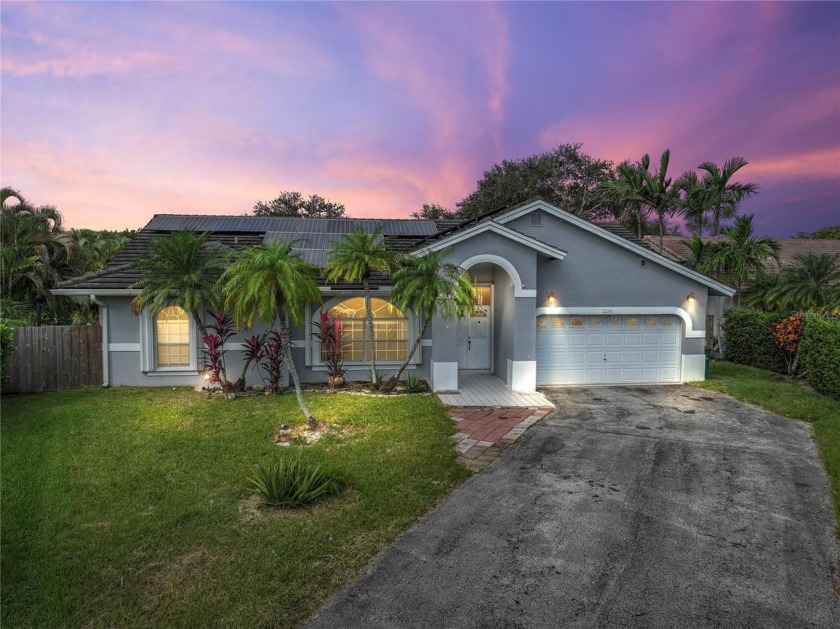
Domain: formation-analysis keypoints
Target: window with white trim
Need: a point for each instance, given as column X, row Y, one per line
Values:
column 172, row 338
column 390, row 330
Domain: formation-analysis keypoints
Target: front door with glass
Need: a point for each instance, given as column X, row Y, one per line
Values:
column 475, row 333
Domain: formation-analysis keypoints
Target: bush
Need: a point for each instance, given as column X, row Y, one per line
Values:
column 291, row 481
column 821, row 354
column 749, row 342
column 413, row 383
column 7, row 334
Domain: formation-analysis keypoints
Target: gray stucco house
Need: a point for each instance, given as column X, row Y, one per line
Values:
column 560, row 300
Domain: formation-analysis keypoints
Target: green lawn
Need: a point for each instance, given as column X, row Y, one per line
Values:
column 786, row 398
column 127, row 507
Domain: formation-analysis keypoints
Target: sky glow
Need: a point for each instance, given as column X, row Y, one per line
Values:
column 116, row 111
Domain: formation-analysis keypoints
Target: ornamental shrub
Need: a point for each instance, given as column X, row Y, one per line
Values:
column 787, row 334
column 820, row 350
column 749, row 342
column 7, row 332
column 291, row 481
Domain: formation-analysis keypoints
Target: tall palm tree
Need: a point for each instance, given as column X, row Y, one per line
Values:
column 272, row 283
column 353, row 259
column 428, row 285
column 741, row 256
column 661, row 194
column 181, row 270
column 812, row 283
column 702, row 254
column 762, row 293
column 627, row 191
column 695, row 202
column 724, row 195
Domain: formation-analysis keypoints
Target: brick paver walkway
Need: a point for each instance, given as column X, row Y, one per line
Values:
column 483, row 433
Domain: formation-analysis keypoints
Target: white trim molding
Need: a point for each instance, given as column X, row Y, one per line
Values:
column 618, row 240
column 123, row 347
column 690, row 332
column 519, row 289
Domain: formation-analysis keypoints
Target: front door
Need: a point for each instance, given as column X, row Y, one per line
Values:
column 475, row 333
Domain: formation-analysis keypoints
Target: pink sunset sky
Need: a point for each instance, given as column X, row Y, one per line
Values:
column 114, row 112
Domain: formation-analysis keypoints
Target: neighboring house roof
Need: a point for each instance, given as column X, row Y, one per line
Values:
column 675, row 248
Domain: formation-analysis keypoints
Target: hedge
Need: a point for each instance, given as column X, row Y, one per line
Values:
column 748, row 339
column 7, row 331
column 820, row 354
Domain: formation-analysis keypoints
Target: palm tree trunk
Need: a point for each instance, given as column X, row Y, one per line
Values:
column 369, row 324
column 639, row 221
column 661, row 232
column 285, row 339
column 393, row 380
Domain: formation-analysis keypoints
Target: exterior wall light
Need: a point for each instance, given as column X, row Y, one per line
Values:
column 551, row 298
column 691, row 296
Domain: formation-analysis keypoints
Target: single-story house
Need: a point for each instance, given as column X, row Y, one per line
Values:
column 559, row 300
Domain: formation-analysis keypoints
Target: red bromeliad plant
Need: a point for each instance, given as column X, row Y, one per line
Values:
column 787, row 334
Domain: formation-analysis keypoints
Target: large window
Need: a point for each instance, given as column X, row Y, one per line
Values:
column 390, row 329
column 172, row 333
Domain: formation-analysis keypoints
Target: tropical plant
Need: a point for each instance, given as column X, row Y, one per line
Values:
column 741, row 256
column 812, row 283
column 96, row 247
column 695, row 202
column 702, row 253
column 428, row 285
column 722, row 194
column 271, row 360
column 434, row 212
column 272, row 283
column 181, row 270
column 762, row 293
column 355, row 258
column 414, row 383
column 662, row 195
column 35, row 252
column 292, row 481
column 219, row 332
column 787, row 334
column 252, row 347
column 627, row 192
column 329, row 338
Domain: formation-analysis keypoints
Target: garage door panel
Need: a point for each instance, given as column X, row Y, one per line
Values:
column 608, row 349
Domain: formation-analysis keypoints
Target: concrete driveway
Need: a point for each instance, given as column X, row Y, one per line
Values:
column 628, row 507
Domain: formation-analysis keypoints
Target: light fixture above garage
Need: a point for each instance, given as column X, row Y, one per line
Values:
column 691, row 296
column 551, row 298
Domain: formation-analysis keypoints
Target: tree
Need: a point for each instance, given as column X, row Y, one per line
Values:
column 434, row 212
column 824, row 233
column 353, row 259
column 565, row 177
column 181, row 270
column 35, row 252
column 723, row 194
column 626, row 193
column 702, row 253
column 290, row 203
column 695, row 203
column 661, row 195
column 272, row 283
column 428, row 285
column 812, row 283
column 741, row 256
column 96, row 247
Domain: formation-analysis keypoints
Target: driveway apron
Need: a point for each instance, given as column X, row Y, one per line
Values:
column 627, row 507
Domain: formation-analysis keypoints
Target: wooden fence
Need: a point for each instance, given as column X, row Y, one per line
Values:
column 53, row 357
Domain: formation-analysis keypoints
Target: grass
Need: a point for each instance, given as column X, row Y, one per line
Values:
column 790, row 399
column 129, row 507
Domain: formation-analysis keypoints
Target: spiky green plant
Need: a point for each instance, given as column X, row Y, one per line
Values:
column 291, row 481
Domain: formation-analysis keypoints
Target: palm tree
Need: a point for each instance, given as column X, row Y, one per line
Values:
column 353, row 259
column 741, row 256
column 35, row 253
column 661, row 195
column 181, row 270
column 272, row 283
column 628, row 191
column 428, row 285
column 702, row 254
column 812, row 283
column 762, row 293
column 724, row 195
column 695, row 202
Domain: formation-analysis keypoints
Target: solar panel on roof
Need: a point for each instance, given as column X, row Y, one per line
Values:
column 258, row 224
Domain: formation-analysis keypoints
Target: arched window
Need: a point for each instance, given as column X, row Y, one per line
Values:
column 172, row 333
column 390, row 330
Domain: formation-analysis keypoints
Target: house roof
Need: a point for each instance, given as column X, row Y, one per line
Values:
column 675, row 248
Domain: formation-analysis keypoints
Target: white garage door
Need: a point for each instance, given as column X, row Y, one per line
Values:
column 578, row 349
